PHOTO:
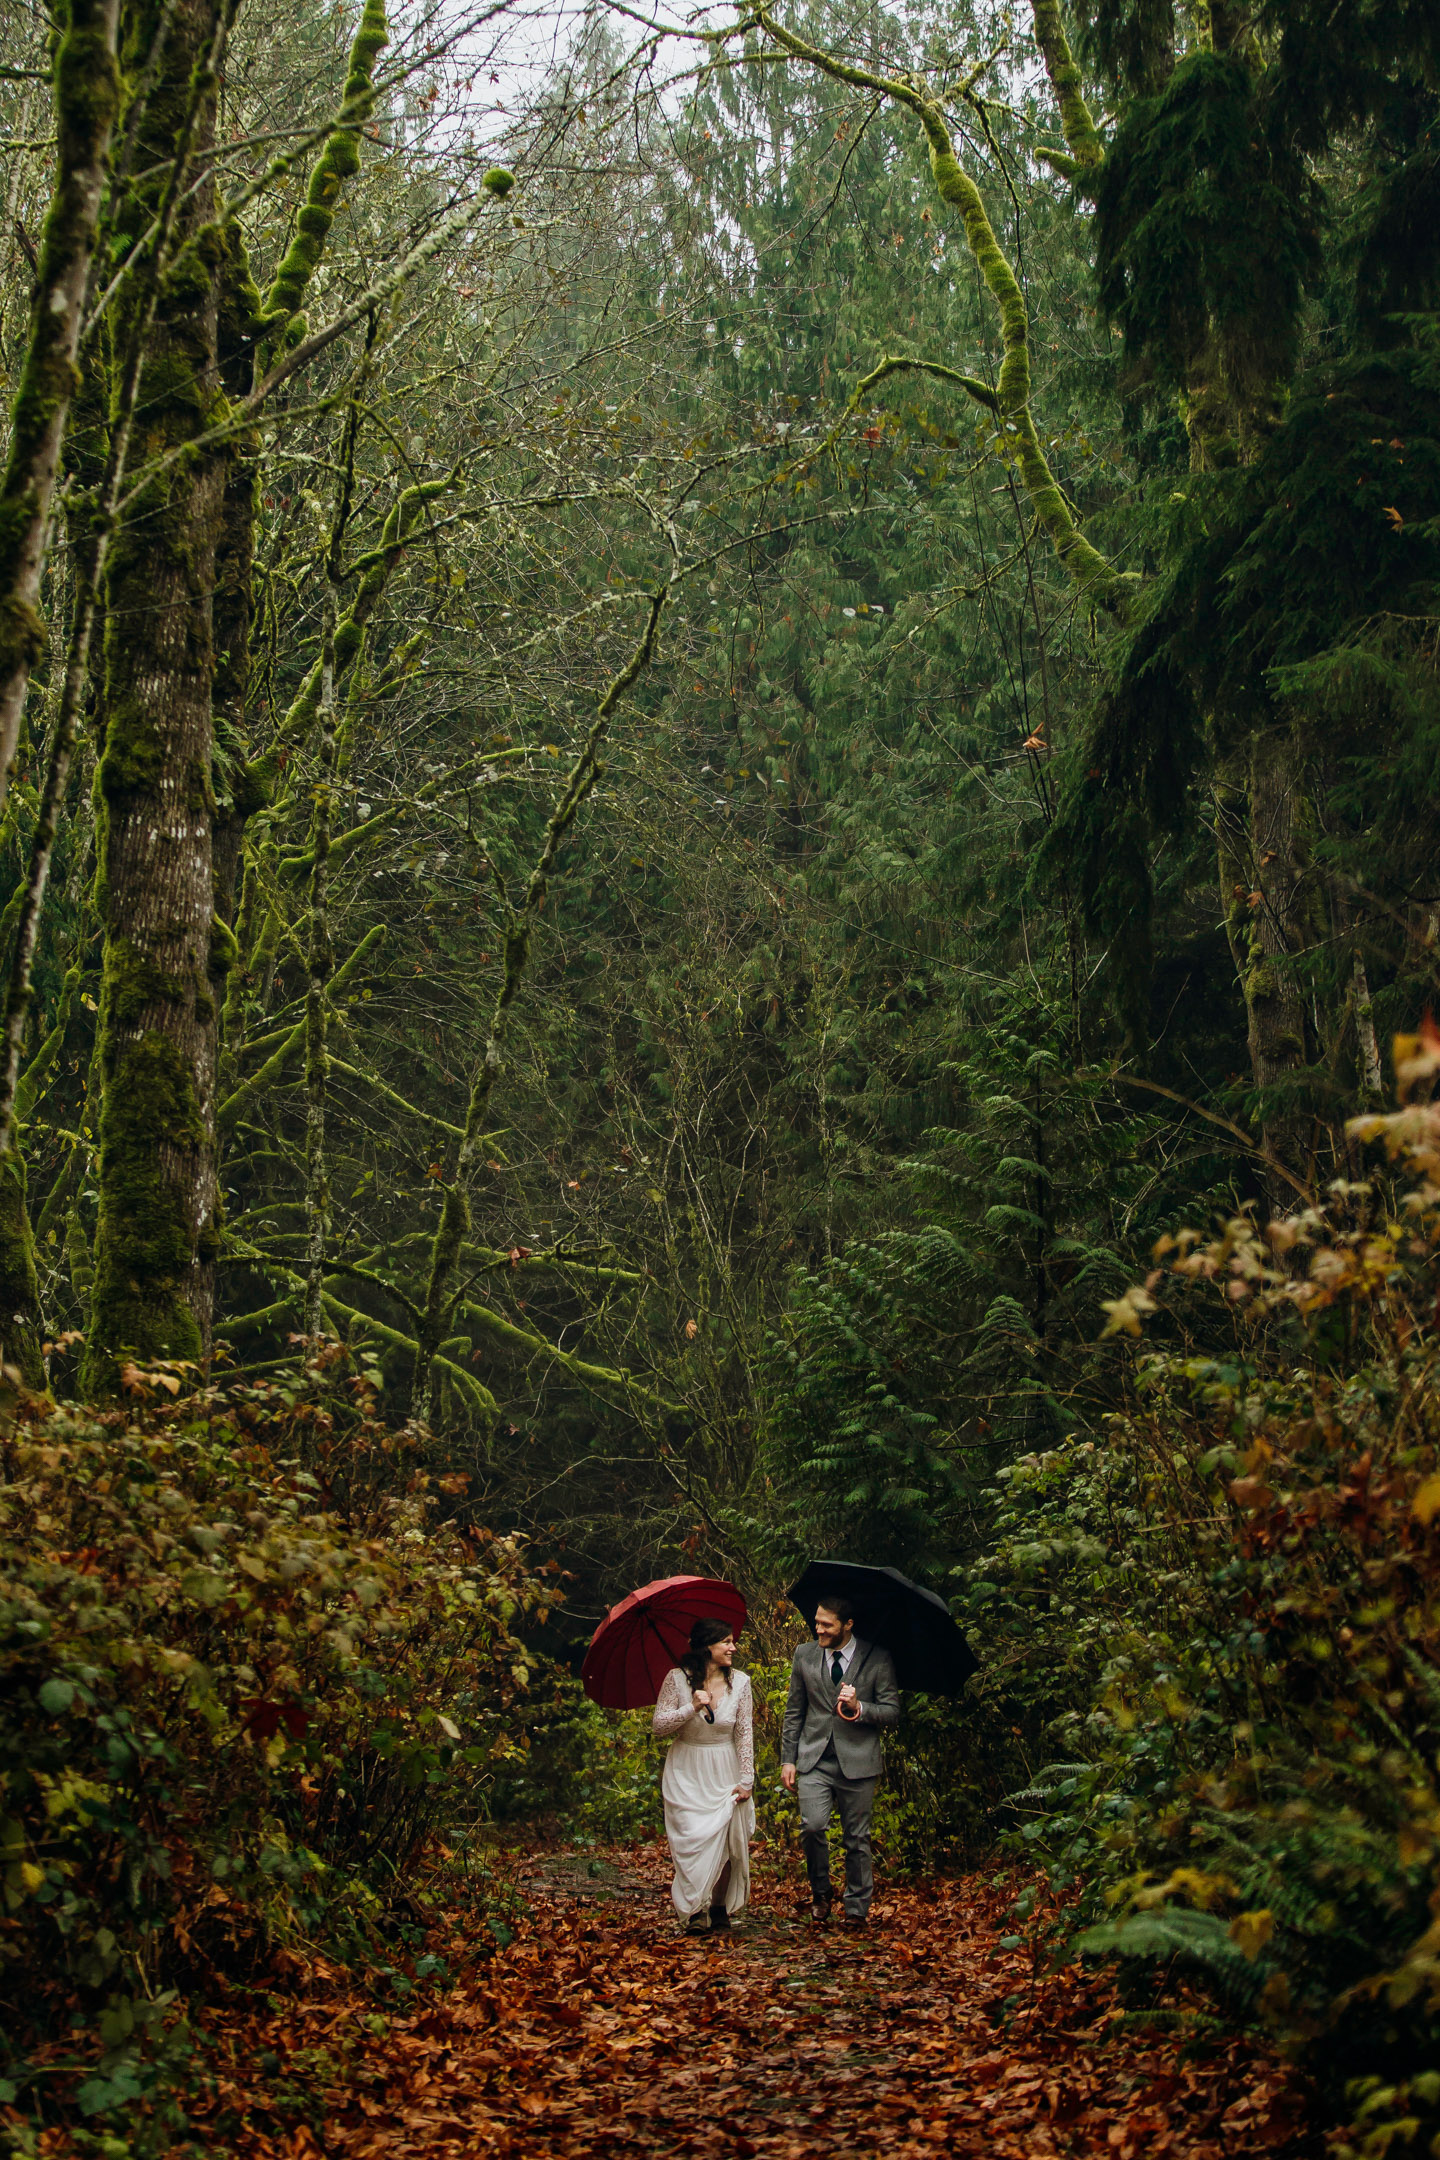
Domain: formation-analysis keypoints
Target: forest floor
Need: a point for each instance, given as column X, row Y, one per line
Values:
column 597, row 2030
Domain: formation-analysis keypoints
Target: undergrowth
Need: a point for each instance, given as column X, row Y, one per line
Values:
column 1249, row 1792
column 247, row 1671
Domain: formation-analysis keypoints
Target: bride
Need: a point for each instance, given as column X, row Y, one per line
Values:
column 709, row 1774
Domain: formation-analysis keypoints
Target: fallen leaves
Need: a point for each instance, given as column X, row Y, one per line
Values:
column 599, row 2031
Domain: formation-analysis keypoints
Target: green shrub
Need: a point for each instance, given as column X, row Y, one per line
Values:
column 244, row 1671
column 1252, row 1789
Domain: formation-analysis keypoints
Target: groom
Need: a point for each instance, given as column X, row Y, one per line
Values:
column 831, row 1756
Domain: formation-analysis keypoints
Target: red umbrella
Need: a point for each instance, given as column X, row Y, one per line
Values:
column 647, row 1633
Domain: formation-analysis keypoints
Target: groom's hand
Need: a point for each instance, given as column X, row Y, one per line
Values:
column 787, row 1776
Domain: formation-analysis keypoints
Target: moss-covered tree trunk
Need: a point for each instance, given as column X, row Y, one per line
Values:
column 19, row 1286
column 1262, row 868
column 155, row 1240
column 86, row 98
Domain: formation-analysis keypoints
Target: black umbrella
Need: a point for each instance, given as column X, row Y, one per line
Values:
column 914, row 1625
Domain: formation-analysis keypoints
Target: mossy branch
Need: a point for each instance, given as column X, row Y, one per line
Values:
column 1060, row 161
column 57, row 1202
column 376, row 572
column 1076, row 120
column 454, row 1225
column 1084, row 563
column 27, row 1092
column 393, row 1339
column 356, row 836
column 534, row 1345
column 267, row 1316
column 235, row 1105
column 338, row 162
column 388, row 1094
column 542, row 1263
column 894, row 364
column 490, row 1260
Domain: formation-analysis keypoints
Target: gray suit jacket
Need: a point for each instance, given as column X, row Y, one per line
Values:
column 812, row 1721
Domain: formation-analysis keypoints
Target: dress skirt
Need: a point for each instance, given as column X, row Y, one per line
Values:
column 705, row 1824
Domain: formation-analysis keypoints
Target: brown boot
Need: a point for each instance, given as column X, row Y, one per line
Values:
column 821, row 1909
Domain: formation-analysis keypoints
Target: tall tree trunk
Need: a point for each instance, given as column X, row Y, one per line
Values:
column 87, row 93
column 87, row 96
column 1262, row 873
column 155, row 1239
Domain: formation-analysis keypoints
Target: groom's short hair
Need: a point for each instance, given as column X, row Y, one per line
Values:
column 840, row 1605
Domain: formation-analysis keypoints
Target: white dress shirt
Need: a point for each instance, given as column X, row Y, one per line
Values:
column 845, row 1653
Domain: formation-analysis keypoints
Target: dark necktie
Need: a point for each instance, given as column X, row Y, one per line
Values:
column 837, row 1670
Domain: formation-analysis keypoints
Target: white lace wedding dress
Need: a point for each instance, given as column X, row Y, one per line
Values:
column 705, row 1824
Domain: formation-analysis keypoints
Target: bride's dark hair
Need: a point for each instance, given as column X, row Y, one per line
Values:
column 697, row 1657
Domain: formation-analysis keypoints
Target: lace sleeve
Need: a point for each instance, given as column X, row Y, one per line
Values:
column 674, row 1707
column 745, row 1733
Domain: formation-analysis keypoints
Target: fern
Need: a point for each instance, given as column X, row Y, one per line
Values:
column 1174, row 1935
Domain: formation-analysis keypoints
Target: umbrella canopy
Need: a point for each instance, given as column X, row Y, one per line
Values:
column 640, row 1639
column 913, row 1624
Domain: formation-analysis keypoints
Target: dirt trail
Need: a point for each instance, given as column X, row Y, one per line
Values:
column 599, row 2031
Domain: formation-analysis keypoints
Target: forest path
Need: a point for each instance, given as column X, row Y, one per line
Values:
column 600, row 2031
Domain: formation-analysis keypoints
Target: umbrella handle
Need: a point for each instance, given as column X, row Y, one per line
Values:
column 850, row 1715
column 709, row 1717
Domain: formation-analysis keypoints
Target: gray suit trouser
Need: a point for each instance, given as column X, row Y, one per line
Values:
column 821, row 1792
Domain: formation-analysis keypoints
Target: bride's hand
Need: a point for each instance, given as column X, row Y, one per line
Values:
column 741, row 1792
column 700, row 1697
